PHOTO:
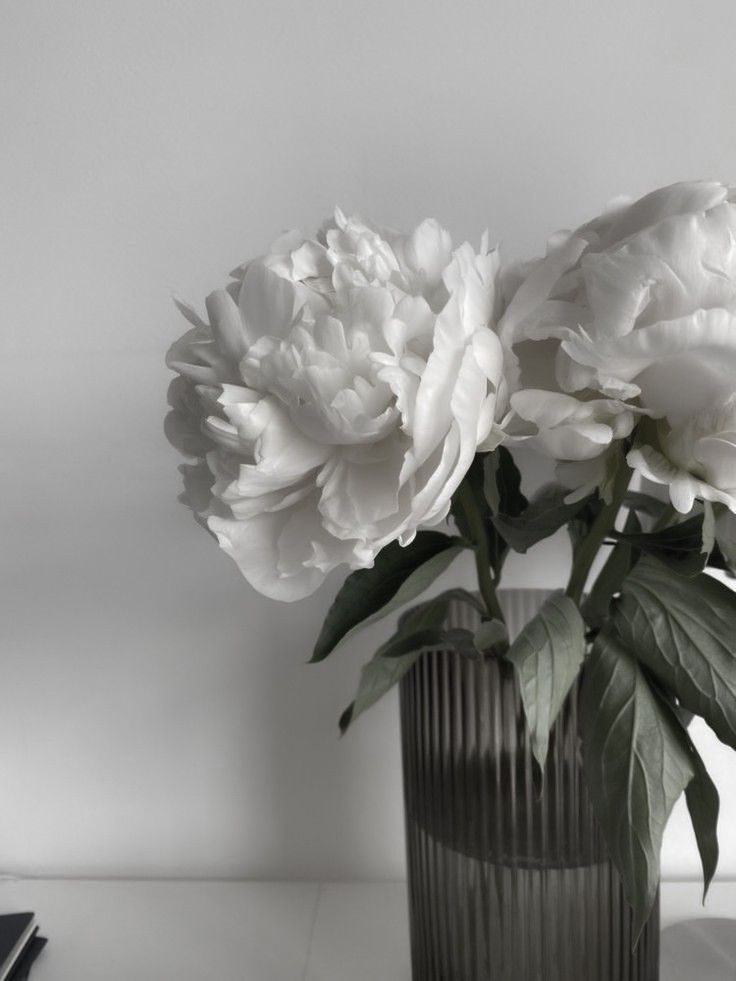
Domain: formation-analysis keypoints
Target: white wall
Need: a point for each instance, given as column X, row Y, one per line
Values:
column 156, row 716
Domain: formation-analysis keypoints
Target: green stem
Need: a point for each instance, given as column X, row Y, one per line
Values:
column 604, row 522
column 481, row 551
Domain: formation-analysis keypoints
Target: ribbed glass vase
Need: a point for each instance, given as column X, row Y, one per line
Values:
column 509, row 878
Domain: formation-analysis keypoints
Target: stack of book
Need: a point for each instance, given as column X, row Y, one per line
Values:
column 20, row 945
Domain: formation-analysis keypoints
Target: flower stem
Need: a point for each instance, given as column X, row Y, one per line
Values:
column 603, row 523
column 481, row 551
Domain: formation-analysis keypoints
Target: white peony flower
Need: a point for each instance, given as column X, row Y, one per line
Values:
column 345, row 383
column 696, row 457
column 638, row 306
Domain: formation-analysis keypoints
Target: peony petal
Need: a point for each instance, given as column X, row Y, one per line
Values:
column 704, row 341
column 432, row 413
column 278, row 447
column 197, row 356
column 428, row 250
column 362, row 491
column 227, row 325
column 488, row 355
column 689, row 261
column 270, row 550
column 190, row 314
column 569, row 428
column 537, row 287
column 718, row 456
column 310, row 261
column 683, row 490
column 678, row 199
column 470, row 279
column 266, row 302
column 653, row 465
column 618, row 289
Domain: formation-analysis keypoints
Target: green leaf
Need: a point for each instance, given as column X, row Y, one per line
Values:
column 684, row 631
column 398, row 575
column 546, row 513
column 547, row 656
column 410, row 641
column 473, row 480
column 436, row 608
column 376, row 678
column 491, row 637
column 635, row 767
column 502, row 484
column 684, row 546
column 610, row 579
column 645, row 504
column 420, row 631
column 717, row 560
column 703, row 804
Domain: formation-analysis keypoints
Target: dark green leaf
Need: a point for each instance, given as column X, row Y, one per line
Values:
column 420, row 631
column 635, row 766
column 717, row 560
column 616, row 568
column 502, row 484
column 645, row 504
column 473, row 480
column 684, row 631
column 546, row 513
column 703, row 805
column 408, row 641
column 397, row 576
column 436, row 608
column 684, row 546
column 376, row 678
column 547, row 656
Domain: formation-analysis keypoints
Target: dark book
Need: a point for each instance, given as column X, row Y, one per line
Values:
column 23, row 965
column 17, row 930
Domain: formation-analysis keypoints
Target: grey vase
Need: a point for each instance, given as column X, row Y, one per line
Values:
column 509, row 878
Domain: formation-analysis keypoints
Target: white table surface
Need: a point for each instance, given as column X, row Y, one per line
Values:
column 142, row 930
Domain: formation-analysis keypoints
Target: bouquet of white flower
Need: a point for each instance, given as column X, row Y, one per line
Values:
column 356, row 398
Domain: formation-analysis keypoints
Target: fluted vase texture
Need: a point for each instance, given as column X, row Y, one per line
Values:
column 509, row 877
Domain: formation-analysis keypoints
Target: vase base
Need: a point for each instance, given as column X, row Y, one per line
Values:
column 475, row 921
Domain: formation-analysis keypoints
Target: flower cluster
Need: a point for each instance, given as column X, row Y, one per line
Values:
column 348, row 393
column 341, row 386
